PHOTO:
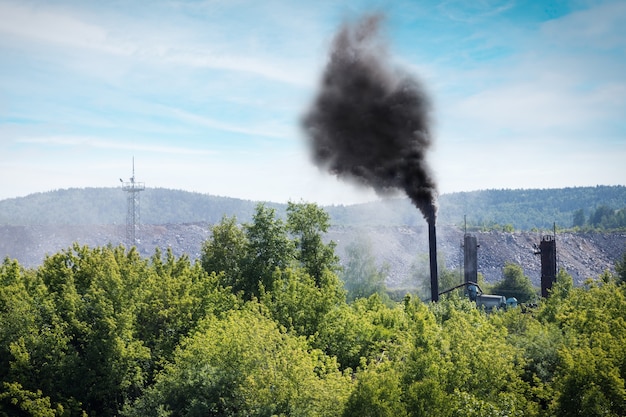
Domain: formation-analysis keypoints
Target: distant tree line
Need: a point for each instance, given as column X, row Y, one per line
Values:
column 506, row 210
column 602, row 218
column 263, row 325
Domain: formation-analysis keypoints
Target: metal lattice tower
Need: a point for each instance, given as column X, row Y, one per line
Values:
column 133, row 188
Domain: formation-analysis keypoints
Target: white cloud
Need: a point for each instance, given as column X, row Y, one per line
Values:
column 118, row 144
column 266, row 130
column 473, row 11
column 600, row 27
column 45, row 25
column 195, row 47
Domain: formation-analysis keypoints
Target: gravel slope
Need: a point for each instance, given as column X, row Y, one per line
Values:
column 583, row 255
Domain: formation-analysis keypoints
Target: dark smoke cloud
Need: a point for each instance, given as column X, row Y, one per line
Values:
column 370, row 121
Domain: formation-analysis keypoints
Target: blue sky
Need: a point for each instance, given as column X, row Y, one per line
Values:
column 207, row 96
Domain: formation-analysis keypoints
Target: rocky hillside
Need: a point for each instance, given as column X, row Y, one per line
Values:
column 583, row 255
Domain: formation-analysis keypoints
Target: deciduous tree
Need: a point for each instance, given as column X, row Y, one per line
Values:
column 515, row 284
column 225, row 251
column 307, row 222
column 267, row 248
column 361, row 275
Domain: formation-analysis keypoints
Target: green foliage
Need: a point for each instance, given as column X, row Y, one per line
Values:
column 225, row 251
column 294, row 278
column 248, row 257
column 299, row 303
column 525, row 209
column 378, row 393
column 79, row 347
column 361, row 276
column 521, row 209
column 242, row 364
column 174, row 295
column 601, row 215
column 620, row 269
column 307, row 222
column 515, row 284
column 105, row 332
column 15, row 401
column 267, row 248
column 108, row 206
column 508, row 228
column 447, row 278
column 591, row 373
column 363, row 331
column 578, row 218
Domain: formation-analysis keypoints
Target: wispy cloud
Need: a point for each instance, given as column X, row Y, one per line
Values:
column 96, row 143
column 46, row 25
column 601, row 27
column 59, row 28
column 268, row 130
column 473, row 11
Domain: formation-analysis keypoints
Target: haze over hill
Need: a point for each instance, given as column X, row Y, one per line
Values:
column 44, row 223
column 523, row 209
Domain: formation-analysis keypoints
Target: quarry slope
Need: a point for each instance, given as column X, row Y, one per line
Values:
column 583, row 255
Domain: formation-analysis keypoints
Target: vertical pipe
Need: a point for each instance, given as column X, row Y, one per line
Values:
column 432, row 245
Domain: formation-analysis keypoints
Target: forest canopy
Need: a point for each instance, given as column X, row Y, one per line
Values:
column 521, row 209
column 261, row 326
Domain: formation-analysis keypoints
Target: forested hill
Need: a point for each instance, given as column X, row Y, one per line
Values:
column 524, row 209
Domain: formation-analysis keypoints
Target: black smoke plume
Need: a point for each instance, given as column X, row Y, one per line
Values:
column 370, row 121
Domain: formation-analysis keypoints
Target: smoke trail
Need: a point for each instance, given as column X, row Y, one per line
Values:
column 370, row 121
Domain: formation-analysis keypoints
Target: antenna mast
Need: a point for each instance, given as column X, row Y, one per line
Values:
column 133, row 188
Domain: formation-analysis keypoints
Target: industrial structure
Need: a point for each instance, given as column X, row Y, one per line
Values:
column 547, row 251
column 133, row 188
column 434, row 273
column 470, row 258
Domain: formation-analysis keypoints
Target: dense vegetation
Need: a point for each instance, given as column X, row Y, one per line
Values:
column 261, row 327
column 601, row 207
column 535, row 208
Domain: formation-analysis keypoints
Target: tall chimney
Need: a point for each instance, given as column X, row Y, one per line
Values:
column 470, row 258
column 547, row 250
column 432, row 245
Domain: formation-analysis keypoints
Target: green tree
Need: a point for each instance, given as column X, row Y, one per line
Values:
column 299, row 303
column 361, row 276
column 540, row 343
column 243, row 364
column 620, row 269
column 82, row 353
column 601, row 216
column 590, row 375
column 447, row 278
column 15, row 401
column 225, row 251
column 378, row 393
column 307, row 222
column 462, row 364
column 267, row 248
column 363, row 331
column 18, row 313
column 515, row 284
column 578, row 218
column 173, row 297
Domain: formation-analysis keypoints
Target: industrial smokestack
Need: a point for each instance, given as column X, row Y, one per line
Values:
column 470, row 258
column 434, row 274
column 547, row 250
